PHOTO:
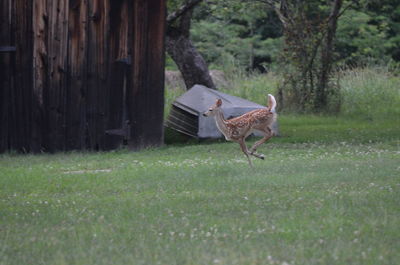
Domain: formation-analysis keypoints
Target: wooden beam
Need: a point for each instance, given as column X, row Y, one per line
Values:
column 8, row 48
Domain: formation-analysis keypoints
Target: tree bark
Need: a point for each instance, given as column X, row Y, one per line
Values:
column 326, row 56
column 309, row 51
column 189, row 61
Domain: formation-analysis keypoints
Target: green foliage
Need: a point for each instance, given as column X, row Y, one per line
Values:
column 244, row 36
column 170, row 65
column 386, row 15
column 223, row 29
column 306, row 60
column 173, row 5
column 359, row 41
column 252, row 33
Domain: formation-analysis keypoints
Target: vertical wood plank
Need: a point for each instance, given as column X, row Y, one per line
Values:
column 6, row 73
column 40, row 27
column 117, row 69
column 57, row 74
column 77, row 75
column 156, row 57
column 40, row 63
column 20, row 115
column 97, row 74
column 145, row 94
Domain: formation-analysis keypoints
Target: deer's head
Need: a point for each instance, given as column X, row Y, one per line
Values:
column 212, row 111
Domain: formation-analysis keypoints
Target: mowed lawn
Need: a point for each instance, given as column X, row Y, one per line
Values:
column 327, row 193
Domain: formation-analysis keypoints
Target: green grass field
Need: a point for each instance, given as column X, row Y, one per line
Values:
column 327, row 193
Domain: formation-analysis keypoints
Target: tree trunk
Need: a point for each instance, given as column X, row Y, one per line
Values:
column 326, row 56
column 309, row 52
column 189, row 61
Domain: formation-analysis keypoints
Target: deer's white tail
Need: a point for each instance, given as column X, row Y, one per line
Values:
column 271, row 102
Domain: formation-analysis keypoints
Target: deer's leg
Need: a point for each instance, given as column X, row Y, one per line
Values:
column 245, row 151
column 268, row 135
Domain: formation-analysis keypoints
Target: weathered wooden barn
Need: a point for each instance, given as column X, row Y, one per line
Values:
column 81, row 74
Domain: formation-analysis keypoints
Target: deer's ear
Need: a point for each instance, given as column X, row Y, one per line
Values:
column 219, row 102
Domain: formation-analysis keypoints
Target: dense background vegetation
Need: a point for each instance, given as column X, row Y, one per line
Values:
column 247, row 38
column 251, row 34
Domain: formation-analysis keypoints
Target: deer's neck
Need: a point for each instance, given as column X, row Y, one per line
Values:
column 221, row 123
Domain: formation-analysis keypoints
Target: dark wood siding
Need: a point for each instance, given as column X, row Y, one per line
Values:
column 146, row 89
column 6, row 73
column 80, row 68
column 16, row 88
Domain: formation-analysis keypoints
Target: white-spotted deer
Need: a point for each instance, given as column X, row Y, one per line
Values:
column 237, row 129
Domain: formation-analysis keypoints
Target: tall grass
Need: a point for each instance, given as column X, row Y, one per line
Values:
column 254, row 87
column 371, row 92
column 169, row 96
